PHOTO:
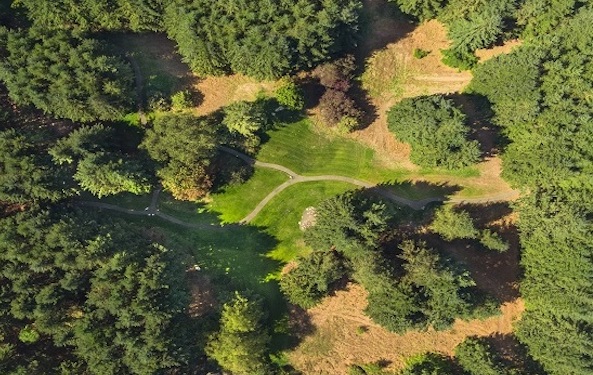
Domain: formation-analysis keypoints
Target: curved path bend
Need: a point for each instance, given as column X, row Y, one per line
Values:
column 295, row 178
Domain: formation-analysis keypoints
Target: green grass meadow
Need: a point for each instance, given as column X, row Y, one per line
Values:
column 280, row 218
column 300, row 147
column 237, row 201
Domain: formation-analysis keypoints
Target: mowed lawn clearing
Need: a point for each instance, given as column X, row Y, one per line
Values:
column 306, row 150
column 281, row 217
column 237, row 201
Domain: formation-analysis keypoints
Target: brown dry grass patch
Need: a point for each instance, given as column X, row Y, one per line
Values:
column 336, row 344
column 392, row 73
column 337, row 341
column 507, row 47
column 218, row 92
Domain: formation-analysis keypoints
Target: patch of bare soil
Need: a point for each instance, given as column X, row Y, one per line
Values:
column 218, row 92
column 507, row 47
column 338, row 341
column 203, row 300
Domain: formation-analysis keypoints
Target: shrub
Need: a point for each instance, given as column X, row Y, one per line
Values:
column 453, row 225
column 181, row 100
column 348, row 124
column 461, row 60
column 158, row 103
column 420, row 53
column 338, row 74
column 29, row 335
column 492, row 241
column 290, row 95
column 335, row 105
column 429, row 364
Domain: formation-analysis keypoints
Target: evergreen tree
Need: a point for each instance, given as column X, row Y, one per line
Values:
column 95, row 15
column 26, row 171
column 263, row 40
column 241, row 344
column 97, row 163
column 101, row 292
column 65, row 75
column 437, row 131
column 451, row 224
column 312, row 279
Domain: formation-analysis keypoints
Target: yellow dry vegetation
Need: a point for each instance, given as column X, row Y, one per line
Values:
column 337, row 341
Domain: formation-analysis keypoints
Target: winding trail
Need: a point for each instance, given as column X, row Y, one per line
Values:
column 151, row 211
column 295, row 178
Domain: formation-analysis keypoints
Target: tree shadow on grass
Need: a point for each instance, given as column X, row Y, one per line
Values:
column 230, row 170
column 419, row 190
column 158, row 69
column 235, row 257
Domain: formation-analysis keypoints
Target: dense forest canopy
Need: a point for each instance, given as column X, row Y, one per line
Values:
column 100, row 294
column 261, row 39
column 95, row 15
column 83, row 292
column 550, row 155
column 65, row 75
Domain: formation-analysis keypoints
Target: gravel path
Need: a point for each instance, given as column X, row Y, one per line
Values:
column 295, row 178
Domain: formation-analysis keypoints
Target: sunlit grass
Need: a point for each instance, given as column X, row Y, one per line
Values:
column 237, row 201
column 306, row 151
column 280, row 218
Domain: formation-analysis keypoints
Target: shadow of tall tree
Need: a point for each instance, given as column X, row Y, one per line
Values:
column 479, row 114
column 495, row 272
column 513, row 353
column 381, row 24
